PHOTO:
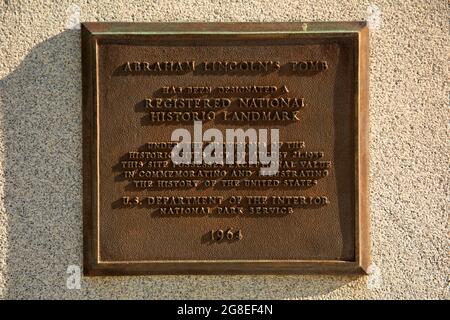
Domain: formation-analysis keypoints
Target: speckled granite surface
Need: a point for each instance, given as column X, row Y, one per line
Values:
column 40, row 149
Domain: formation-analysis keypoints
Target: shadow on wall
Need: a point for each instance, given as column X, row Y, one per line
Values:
column 41, row 122
column 41, row 113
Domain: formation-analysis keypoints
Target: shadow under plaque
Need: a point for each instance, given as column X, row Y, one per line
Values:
column 143, row 214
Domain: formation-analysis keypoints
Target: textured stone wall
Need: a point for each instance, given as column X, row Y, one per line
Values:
column 40, row 149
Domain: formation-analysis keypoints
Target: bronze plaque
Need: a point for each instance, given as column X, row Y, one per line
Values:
column 297, row 92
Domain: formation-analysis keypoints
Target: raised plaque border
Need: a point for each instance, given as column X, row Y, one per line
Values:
column 91, row 32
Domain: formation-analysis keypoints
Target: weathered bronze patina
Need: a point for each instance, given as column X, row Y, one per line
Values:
column 143, row 214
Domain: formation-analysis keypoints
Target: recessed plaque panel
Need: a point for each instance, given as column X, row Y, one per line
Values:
column 224, row 148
